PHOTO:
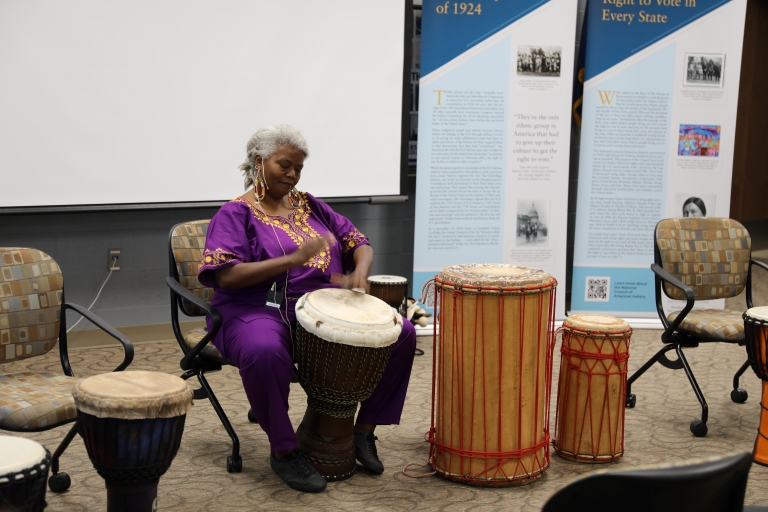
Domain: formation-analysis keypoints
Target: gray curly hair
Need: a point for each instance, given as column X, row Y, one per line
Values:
column 265, row 142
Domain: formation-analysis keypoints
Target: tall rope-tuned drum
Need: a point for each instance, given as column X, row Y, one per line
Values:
column 132, row 423
column 756, row 337
column 24, row 466
column 591, row 389
column 342, row 346
column 492, row 374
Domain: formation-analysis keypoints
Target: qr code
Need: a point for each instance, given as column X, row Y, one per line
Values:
column 597, row 289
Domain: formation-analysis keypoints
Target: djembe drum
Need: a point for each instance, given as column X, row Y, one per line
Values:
column 342, row 345
column 132, row 424
column 492, row 374
column 24, row 466
column 756, row 337
column 591, row 401
column 391, row 289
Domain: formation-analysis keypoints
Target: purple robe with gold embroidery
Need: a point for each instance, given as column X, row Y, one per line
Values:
column 256, row 338
column 241, row 232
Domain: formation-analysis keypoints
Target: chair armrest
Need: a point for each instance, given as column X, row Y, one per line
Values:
column 178, row 289
column 764, row 266
column 101, row 324
column 689, row 299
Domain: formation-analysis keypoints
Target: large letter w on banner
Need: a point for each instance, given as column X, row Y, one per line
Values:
column 606, row 96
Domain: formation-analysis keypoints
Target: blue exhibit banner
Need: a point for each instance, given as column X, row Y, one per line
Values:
column 658, row 129
column 494, row 135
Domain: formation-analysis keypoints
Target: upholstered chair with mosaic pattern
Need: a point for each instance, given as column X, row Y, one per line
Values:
column 32, row 322
column 185, row 247
column 699, row 259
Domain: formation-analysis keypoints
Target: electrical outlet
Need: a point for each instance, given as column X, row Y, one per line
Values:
column 115, row 260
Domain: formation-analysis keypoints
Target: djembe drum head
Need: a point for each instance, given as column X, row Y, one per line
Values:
column 342, row 346
column 492, row 374
column 24, row 466
column 132, row 423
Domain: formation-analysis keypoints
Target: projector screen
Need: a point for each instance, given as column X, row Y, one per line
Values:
column 153, row 101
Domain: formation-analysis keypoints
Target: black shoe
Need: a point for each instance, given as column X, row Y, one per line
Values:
column 365, row 452
column 297, row 472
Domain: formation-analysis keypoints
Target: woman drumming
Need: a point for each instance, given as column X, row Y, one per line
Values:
column 275, row 236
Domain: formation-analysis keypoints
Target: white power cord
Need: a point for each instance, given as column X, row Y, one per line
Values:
column 112, row 269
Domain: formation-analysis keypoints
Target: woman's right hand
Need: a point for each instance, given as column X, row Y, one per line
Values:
column 305, row 253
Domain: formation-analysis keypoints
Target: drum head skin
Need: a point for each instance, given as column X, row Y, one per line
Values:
column 18, row 453
column 349, row 318
column 760, row 313
column 495, row 275
column 385, row 279
column 596, row 323
column 133, row 395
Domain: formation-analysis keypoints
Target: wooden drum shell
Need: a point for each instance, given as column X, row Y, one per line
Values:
column 392, row 292
column 756, row 340
column 337, row 375
column 592, row 387
column 492, row 376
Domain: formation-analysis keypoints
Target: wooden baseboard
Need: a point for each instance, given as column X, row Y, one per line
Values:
column 95, row 338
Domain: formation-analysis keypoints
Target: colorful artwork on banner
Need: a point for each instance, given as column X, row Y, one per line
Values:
column 698, row 140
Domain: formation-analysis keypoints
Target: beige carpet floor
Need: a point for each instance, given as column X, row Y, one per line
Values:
column 656, row 432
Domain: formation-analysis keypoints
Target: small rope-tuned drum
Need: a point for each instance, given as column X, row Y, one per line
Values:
column 132, row 424
column 492, row 374
column 756, row 338
column 591, row 397
column 391, row 289
column 342, row 346
column 24, row 466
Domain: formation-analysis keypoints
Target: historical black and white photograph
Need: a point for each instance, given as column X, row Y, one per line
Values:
column 694, row 205
column 538, row 60
column 704, row 69
column 532, row 222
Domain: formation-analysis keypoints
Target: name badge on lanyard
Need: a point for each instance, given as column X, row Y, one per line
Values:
column 275, row 297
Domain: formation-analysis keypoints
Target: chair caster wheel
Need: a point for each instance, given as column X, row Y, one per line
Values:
column 698, row 428
column 739, row 396
column 59, row 482
column 631, row 400
column 251, row 416
column 234, row 464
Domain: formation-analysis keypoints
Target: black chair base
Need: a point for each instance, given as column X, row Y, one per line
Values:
column 234, row 461
column 739, row 395
column 698, row 427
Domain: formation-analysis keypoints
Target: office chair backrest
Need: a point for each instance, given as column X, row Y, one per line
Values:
column 709, row 254
column 187, row 244
column 716, row 485
column 31, row 289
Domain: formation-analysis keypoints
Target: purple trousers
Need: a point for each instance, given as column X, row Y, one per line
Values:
column 261, row 350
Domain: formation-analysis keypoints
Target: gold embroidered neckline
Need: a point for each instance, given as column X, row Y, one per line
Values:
column 296, row 226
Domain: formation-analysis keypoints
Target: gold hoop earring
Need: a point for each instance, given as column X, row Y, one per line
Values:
column 259, row 187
